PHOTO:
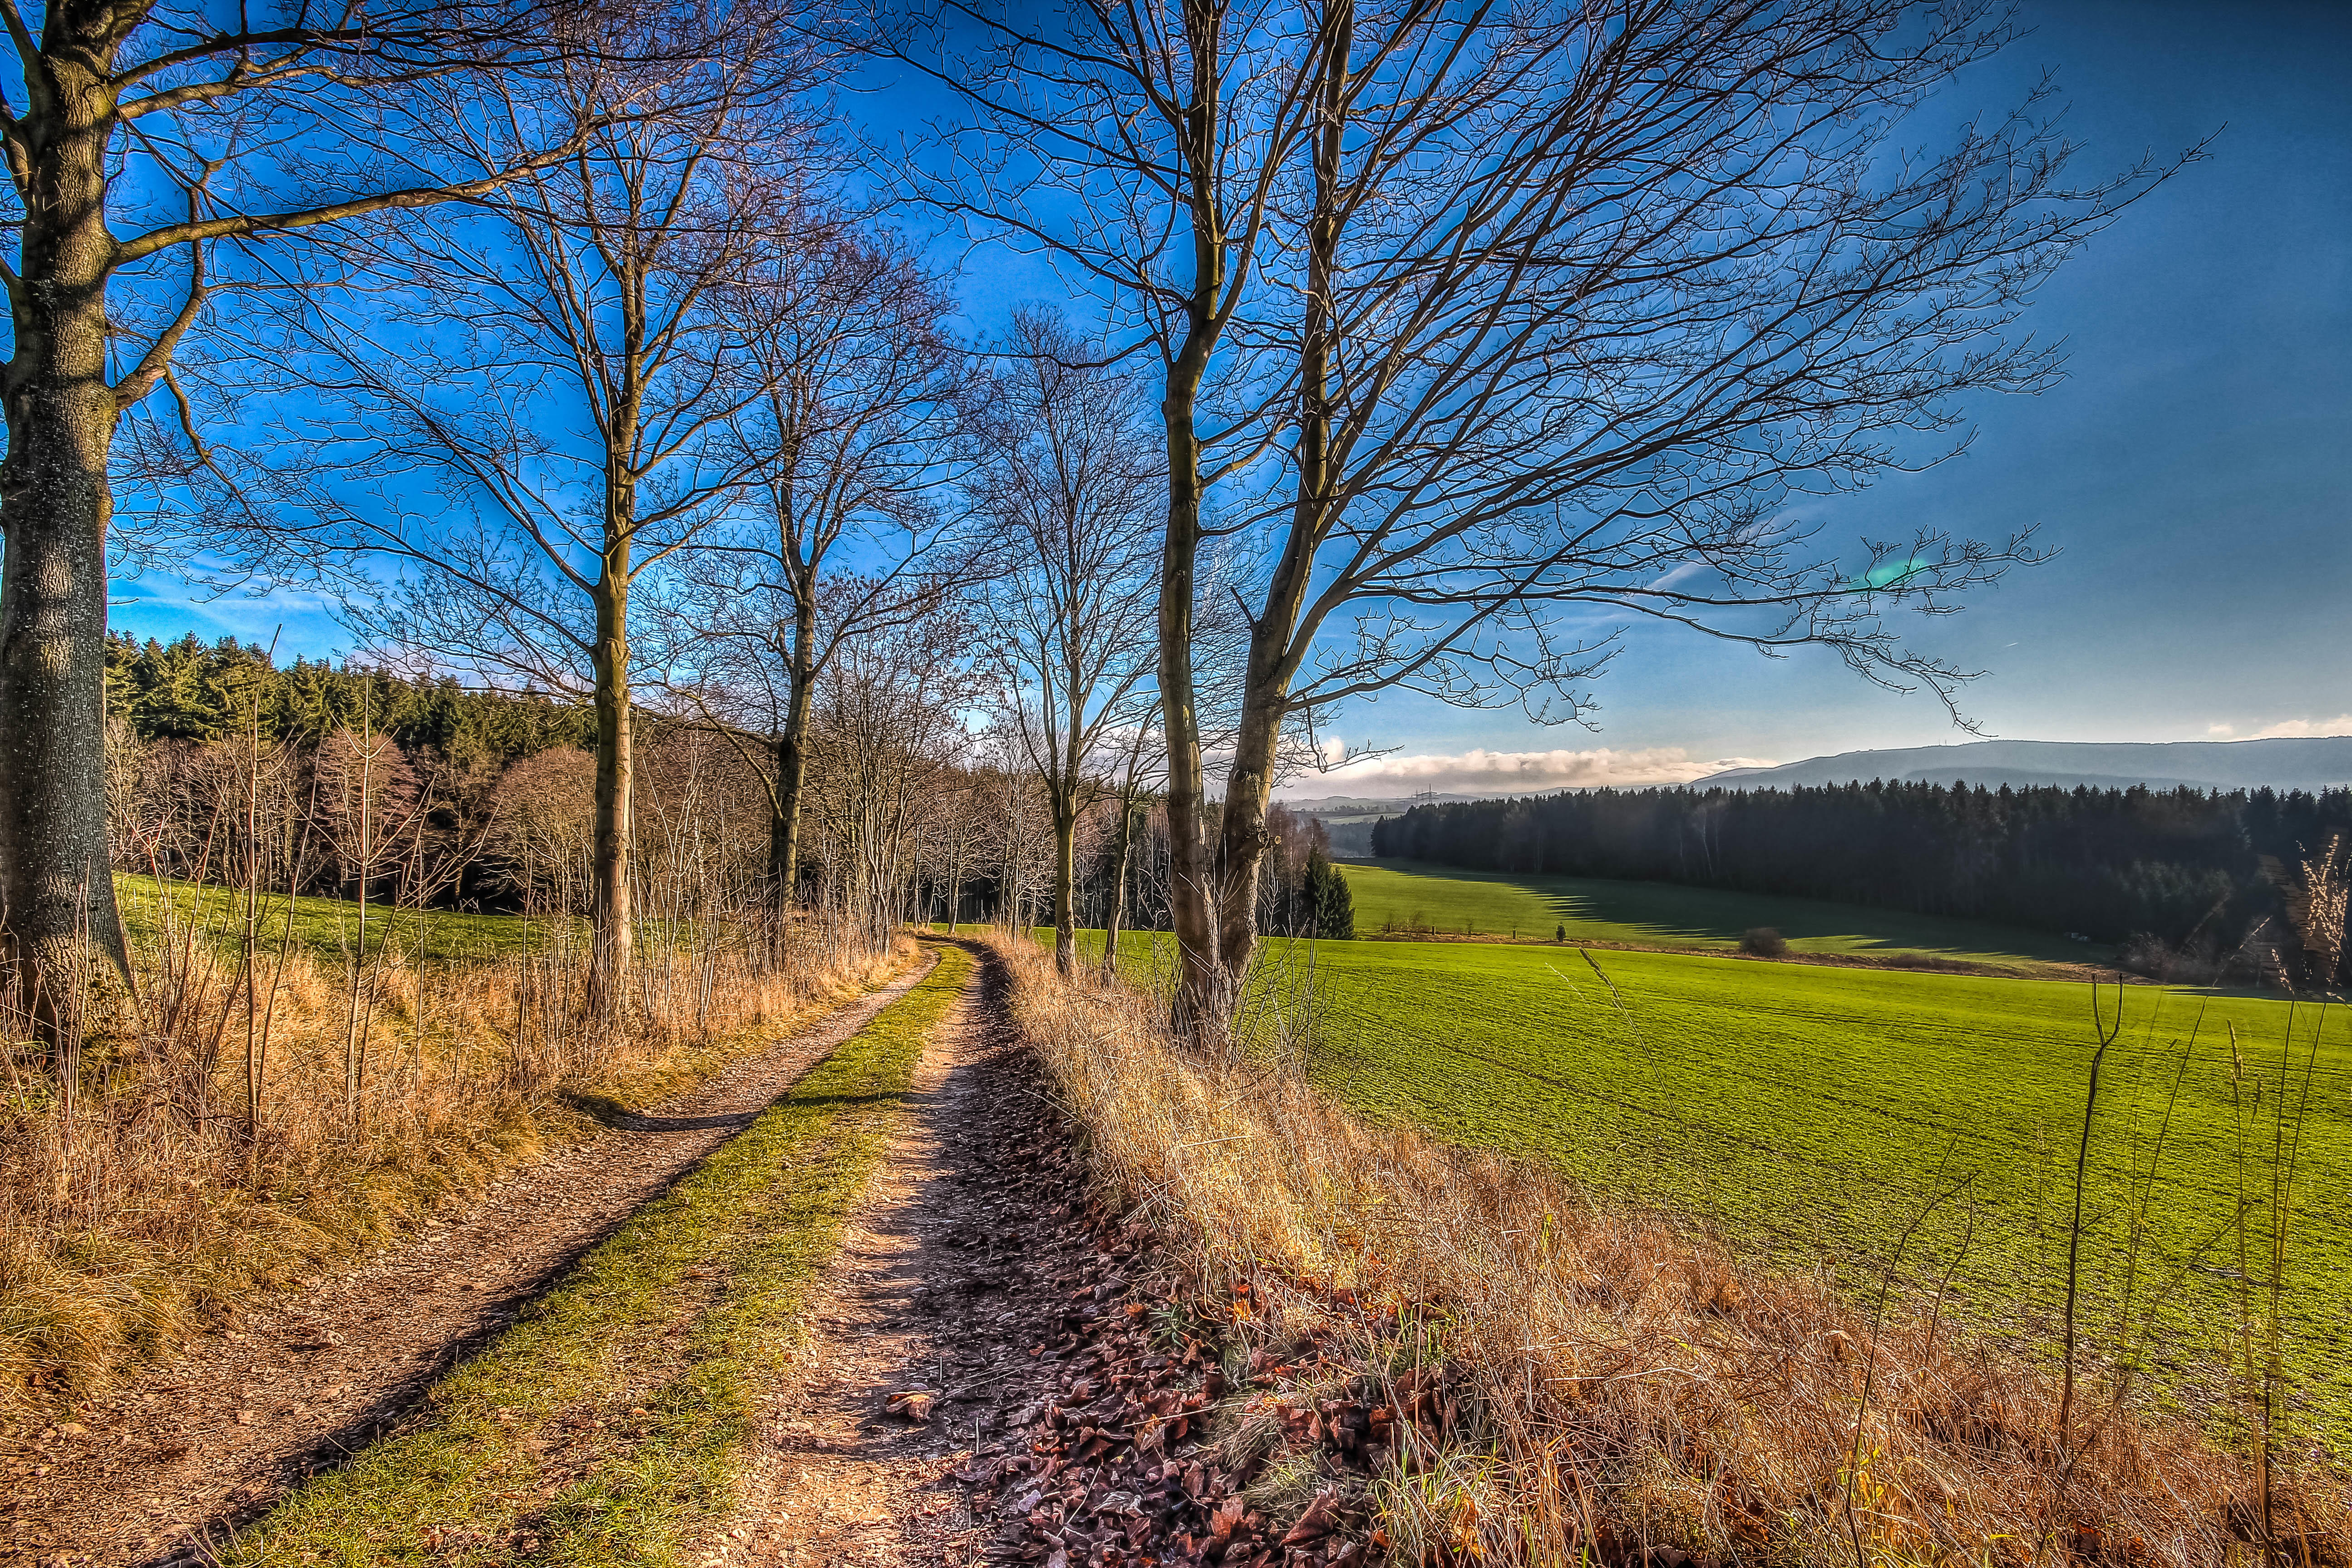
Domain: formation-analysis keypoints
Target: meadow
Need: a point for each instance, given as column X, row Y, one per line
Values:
column 323, row 927
column 1875, row 1122
column 1405, row 898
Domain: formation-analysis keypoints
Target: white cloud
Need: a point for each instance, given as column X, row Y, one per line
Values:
column 1512, row 773
column 2303, row 728
column 2221, row 732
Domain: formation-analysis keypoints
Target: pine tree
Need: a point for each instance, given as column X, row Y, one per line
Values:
column 1332, row 907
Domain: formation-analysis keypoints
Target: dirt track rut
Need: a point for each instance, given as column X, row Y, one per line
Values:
column 211, row 1438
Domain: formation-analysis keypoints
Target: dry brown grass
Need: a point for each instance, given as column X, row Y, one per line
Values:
column 1622, row 1387
column 152, row 1207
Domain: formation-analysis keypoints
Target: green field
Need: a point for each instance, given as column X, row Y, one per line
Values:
column 329, row 928
column 1405, row 898
column 1810, row 1112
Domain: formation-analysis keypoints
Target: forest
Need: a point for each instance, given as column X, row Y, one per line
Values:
column 482, row 799
column 2216, row 874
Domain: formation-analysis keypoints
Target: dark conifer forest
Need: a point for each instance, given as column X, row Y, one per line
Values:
column 2184, row 866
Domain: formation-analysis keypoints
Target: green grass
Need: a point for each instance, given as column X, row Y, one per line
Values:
column 1410, row 896
column 1808, row 1112
column 328, row 927
column 612, row 1425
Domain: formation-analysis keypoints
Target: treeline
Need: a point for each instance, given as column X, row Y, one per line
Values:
column 2219, row 872
column 427, row 793
column 1300, row 892
column 199, row 691
column 345, row 778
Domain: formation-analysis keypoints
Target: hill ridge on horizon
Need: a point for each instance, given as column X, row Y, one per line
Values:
column 2285, row 763
column 2306, row 762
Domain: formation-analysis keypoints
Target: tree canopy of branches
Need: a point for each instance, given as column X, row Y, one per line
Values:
column 208, row 133
column 1066, row 485
column 841, row 536
column 888, row 739
column 1534, row 322
column 574, row 361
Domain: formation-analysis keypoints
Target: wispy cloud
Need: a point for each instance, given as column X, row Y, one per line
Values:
column 2303, row 728
column 1514, row 772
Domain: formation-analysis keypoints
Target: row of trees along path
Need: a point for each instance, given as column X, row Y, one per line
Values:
column 1450, row 331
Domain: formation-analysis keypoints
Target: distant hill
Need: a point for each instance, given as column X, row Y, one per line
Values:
column 2313, row 764
column 1331, row 805
column 1348, row 819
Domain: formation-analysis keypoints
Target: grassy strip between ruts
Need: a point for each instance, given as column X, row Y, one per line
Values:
column 609, row 1425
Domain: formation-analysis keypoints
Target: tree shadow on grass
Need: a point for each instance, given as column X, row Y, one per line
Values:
column 1672, row 914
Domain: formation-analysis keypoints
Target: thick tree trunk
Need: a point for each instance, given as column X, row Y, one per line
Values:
column 1204, row 996
column 1066, row 885
column 792, row 760
column 1244, row 837
column 611, row 918
column 1117, row 920
column 56, row 891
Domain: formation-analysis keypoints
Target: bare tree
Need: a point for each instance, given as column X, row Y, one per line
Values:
column 571, row 372
column 963, row 818
column 1066, row 484
column 1138, row 771
column 861, row 392
column 1561, row 311
column 178, row 121
column 887, row 740
column 1143, row 145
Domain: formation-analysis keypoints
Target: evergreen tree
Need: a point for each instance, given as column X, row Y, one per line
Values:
column 1334, row 908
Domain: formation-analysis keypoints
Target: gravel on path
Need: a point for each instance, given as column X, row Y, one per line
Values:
column 921, row 1332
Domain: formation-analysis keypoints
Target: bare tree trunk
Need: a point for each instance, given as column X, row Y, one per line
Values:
column 1265, row 693
column 56, row 889
column 1118, row 916
column 1243, row 836
column 955, row 882
column 609, row 910
column 791, row 756
column 1204, row 993
column 1065, row 882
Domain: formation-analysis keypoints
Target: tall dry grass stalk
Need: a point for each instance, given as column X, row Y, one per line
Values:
column 149, row 1187
column 1623, row 1387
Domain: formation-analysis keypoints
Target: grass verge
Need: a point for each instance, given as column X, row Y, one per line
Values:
column 152, row 1212
column 609, row 1426
column 1596, row 1379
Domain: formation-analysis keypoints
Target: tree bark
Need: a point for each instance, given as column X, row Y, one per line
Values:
column 792, row 758
column 1243, row 835
column 56, row 889
column 1117, row 919
column 1203, row 999
column 611, row 916
column 1065, row 883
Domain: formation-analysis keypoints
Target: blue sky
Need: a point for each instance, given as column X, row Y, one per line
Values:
column 2194, row 471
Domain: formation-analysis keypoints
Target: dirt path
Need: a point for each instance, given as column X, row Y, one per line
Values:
column 952, row 1270
column 994, row 1377
column 209, row 1440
